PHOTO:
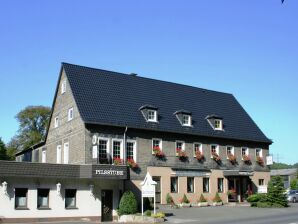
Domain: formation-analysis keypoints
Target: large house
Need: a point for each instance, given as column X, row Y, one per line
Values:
column 192, row 141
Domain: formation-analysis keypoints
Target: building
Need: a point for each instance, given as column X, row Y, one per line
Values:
column 286, row 174
column 192, row 141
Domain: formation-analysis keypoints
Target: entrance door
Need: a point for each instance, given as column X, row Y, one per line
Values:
column 157, row 189
column 107, row 205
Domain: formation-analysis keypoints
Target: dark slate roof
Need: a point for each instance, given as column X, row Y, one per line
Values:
column 111, row 98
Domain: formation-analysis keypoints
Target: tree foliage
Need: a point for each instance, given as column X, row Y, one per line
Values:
column 3, row 155
column 128, row 204
column 294, row 184
column 33, row 122
column 276, row 192
column 277, row 166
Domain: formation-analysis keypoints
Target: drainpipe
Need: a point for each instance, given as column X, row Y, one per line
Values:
column 124, row 145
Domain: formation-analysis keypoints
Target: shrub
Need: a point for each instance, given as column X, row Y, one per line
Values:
column 184, row 199
column 159, row 215
column 148, row 213
column 276, row 192
column 217, row 198
column 256, row 198
column 263, row 204
column 169, row 199
column 202, row 198
column 294, row 184
column 128, row 204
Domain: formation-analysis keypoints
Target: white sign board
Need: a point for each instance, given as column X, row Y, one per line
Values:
column 262, row 189
column 148, row 190
column 269, row 160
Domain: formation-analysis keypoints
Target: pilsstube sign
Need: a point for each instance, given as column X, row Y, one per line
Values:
column 109, row 172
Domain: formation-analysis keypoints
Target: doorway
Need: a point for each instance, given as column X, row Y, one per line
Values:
column 157, row 189
column 107, row 205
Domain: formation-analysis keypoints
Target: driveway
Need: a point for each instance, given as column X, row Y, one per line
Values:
column 228, row 214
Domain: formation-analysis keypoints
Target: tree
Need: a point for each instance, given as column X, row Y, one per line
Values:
column 3, row 155
column 276, row 166
column 33, row 122
column 276, row 192
column 294, row 184
column 128, row 204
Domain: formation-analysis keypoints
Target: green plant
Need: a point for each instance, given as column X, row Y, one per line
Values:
column 256, row 198
column 217, row 198
column 184, row 199
column 294, row 184
column 128, row 204
column 159, row 215
column 202, row 198
column 148, row 213
column 169, row 199
column 276, row 192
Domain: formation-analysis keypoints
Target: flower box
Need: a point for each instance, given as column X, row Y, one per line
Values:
column 203, row 204
column 158, row 153
column 132, row 164
column 199, row 156
column 185, row 205
column 232, row 158
column 215, row 157
column 181, row 154
column 246, row 159
column 217, row 203
column 117, row 161
column 260, row 160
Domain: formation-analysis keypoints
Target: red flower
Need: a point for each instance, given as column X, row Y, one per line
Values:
column 199, row 155
column 246, row 158
column 132, row 164
column 117, row 161
column 215, row 156
column 232, row 158
column 157, row 152
column 260, row 160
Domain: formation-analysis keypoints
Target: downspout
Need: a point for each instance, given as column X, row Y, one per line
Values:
column 124, row 154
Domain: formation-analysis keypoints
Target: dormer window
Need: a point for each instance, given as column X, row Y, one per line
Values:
column 215, row 121
column 184, row 117
column 152, row 115
column 149, row 112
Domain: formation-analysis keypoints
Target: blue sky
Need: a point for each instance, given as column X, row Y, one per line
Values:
column 248, row 48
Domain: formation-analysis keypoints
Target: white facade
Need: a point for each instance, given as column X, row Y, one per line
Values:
column 88, row 201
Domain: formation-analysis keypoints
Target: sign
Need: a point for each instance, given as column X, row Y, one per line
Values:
column 107, row 171
column 110, row 172
column 262, row 189
column 245, row 173
column 269, row 160
column 148, row 190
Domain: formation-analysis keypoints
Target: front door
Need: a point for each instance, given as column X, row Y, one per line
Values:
column 107, row 205
column 157, row 189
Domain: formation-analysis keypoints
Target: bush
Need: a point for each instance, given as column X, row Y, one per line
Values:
column 169, row 199
column 202, row 198
column 159, row 215
column 148, row 213
column 184, row 199
column 256, row 198
column 128, row 204
column 263, row 204
column 217, row 198
column 294, row 184
column 276, row 192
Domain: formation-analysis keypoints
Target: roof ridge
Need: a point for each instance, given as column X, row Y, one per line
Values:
column 142, row 77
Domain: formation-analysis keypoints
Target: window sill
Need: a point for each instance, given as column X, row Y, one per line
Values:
column 21, row 208
column 70, row 208
column 44, row 208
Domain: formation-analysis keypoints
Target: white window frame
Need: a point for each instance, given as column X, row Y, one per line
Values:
column 134, row 149
column 194, row 185
column 209, row 189
column 261, row 152
column 121, row 147
column 160, row 143
column 189, row 120
column 246, row 151
column 43, row 155
column 220, row 124
column 232, row 150
column 66, row 153
column 183, row 145
column 59, row 154
column 56, row 122
column 216, row 149
column 108, row 145
column 155, row 115
column 63, row 86
column 70, row 114
column 200, row 148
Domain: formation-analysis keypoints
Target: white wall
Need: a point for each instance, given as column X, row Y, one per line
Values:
column 87, row 204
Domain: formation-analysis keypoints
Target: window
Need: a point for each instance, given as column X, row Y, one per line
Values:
column 156, row 143
column 43, row 156
column 205, row 184
column 174, row 184
column 59, row 154
column 102, row 150
column 220, row 185
column 70, row 198
column 244, row 151
column 66, row 153
column 117, row 149
column 259, row 153
column 21, row 198
column 43, row 198
column 56, row 122
column 197, row 147
column 230, row 150
column 215, row 149
column 218, row 124
column 186, row 120
column 70, row 114
column 131, row 150
column 180, row 145
column 152, row 115
column 261, row 182
column 190, row 185
column 63, row 86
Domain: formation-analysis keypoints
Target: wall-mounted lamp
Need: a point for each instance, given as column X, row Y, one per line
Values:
column 4, row 187
column 58, row 189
